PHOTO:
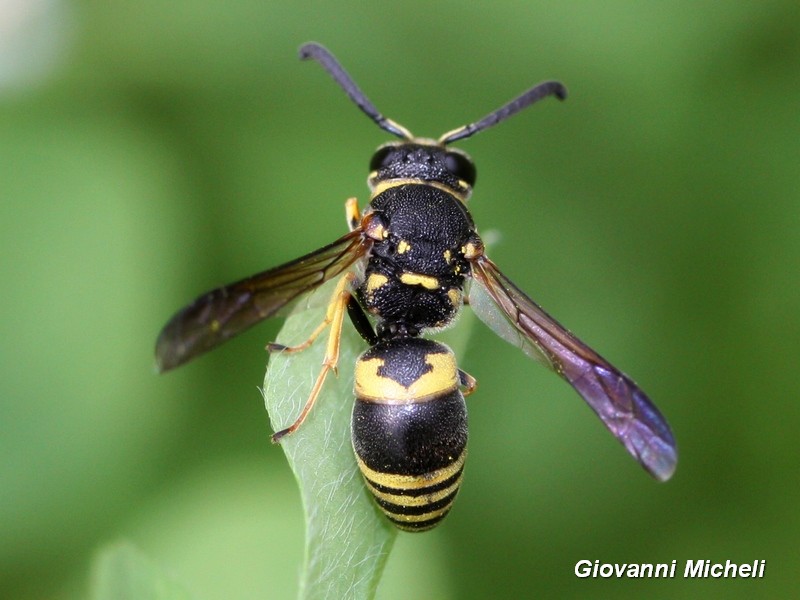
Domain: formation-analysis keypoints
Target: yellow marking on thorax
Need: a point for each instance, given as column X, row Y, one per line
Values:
column 454, row 295
column 382, row 186
column 471, row 251
column 369, row 385
column 375, row 281
column 426, row 281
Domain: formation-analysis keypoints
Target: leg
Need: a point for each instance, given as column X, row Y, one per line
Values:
column 360, row 321
column 275, row 347
column 352, row 213
column 468, row 381
column 345, row 281
column 334, row 318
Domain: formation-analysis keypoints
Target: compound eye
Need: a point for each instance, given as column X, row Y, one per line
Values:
column 380, row 158
column 460, row 166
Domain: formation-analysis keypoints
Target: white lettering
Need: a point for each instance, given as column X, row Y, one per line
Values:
column 587, row 568
column 733, row 567
column 726, row 570
column 700, row 569
column 583, row 568
column 694, row 570
column 665, row 569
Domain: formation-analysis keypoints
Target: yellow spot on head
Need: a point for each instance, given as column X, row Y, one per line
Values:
column 403, row 247
column 448, row 256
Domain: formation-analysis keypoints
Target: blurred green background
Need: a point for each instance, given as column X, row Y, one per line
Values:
column 151, row 150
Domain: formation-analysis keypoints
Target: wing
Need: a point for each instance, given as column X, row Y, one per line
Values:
column 624, row 409
column 220, row 314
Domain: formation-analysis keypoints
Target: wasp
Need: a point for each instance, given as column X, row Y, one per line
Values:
column 411, row 259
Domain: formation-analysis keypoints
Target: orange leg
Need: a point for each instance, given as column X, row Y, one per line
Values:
column 352, row 213
column 333, row 317
column 276, row 347
column 468, row 381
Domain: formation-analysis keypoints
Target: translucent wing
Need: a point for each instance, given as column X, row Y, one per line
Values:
column 220, row 314
column 624, row 409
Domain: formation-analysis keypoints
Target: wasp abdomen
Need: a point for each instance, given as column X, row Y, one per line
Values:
column 410, row 429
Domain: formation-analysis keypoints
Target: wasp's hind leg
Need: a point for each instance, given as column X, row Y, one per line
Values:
column 333, row 317
column 361, row 322
column 467, row 381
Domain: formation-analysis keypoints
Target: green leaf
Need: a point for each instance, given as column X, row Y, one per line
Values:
column 347, row 539
column 122, row 572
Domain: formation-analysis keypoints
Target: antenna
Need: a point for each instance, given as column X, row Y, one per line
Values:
column 536, row 93
column 328, row 61
column 331, row 65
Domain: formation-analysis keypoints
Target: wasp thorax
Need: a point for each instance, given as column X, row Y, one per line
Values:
column 415, row 276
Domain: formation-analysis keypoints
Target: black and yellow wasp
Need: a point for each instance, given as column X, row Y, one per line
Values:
column 412, row 258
